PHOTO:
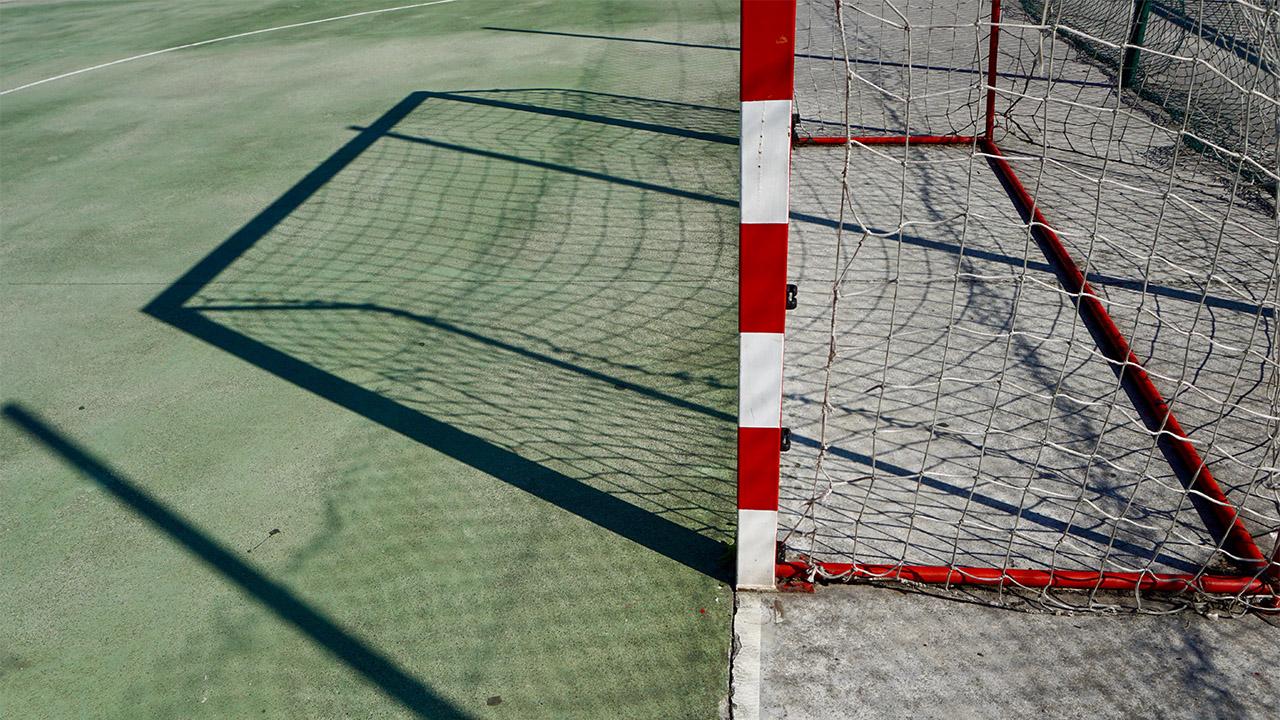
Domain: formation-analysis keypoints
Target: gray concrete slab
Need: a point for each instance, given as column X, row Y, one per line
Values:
column 867, row 652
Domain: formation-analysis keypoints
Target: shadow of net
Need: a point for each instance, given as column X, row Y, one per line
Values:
column 545, row 270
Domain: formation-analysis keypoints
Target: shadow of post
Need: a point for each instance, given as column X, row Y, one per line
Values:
column 372, row 665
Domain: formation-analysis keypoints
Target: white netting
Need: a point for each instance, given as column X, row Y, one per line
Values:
column 948, row 405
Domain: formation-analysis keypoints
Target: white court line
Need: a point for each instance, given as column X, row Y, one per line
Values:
column 748, row 619
column 214, row 40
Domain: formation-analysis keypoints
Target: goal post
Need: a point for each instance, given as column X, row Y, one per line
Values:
column 1037, row 258
column 767, row 70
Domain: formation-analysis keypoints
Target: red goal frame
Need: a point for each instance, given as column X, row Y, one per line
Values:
column 767, row 85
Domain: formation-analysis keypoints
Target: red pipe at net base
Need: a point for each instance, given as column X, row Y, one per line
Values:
column 1207, row 495
column 885, row 139
column 1027, row 578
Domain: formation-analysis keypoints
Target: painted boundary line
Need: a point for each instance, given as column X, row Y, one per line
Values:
column 749, row 613
column 766, row 84
column 153, row 53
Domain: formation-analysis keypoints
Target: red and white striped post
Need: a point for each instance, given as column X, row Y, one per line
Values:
column 767, row 64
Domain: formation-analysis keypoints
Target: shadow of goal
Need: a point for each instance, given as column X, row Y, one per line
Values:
column 508, row 277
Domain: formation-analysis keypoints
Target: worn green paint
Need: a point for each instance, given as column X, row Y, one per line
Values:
column 590, row 332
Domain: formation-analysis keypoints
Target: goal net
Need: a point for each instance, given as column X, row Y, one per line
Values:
column 1036, row 258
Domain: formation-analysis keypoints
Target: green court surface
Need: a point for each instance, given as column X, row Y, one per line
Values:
column 381, row 367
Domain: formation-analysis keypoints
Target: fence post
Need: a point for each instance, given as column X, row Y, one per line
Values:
column 1137, row 36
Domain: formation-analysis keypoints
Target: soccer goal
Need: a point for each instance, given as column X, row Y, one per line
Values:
column 1008, row 297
